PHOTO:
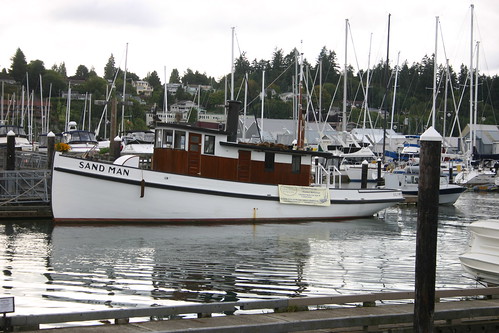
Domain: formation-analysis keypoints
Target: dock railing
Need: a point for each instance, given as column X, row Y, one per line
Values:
column 122, row 316
column 25, row 186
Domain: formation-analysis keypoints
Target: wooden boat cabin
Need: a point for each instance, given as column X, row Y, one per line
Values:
column 193, row 151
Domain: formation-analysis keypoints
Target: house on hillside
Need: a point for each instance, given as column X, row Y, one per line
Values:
column 142, row 88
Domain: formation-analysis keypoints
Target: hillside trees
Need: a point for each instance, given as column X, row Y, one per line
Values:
column 19, row 66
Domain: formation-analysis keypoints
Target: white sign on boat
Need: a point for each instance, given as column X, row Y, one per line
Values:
column 304, row 195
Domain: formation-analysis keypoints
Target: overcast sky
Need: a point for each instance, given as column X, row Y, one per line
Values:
column 196, row 34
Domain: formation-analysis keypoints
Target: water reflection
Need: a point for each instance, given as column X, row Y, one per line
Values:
column 73, row 268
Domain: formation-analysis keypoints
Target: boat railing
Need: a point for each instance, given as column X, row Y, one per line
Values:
column 323, row 175
column 333, row 170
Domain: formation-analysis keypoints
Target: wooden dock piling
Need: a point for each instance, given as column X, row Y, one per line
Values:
column 426, row 237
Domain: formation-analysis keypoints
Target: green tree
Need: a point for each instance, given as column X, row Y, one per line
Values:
column 96, row 86
column 19, row 66
column 54, row 79
column 110, row 69
column 62, row 69
column 174, row 76
column 82, row 73
column 35, row 69
column 153, row 80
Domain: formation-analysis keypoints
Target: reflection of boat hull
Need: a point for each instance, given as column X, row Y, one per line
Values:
column 109, row 192
column 482, row 259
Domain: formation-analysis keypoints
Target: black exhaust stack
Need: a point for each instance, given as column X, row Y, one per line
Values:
column 232, row 125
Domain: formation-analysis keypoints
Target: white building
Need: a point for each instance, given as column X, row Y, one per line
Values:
column 142, row 88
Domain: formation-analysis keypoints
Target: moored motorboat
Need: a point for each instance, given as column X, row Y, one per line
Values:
column 351, row 165
column 80, row 141
column 21, row 139
column 406, row 180
column 201, row 174
column 137, row 143
column 482, row 259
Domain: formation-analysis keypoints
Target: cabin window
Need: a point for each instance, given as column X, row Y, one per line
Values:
column 269, row 161
column 209, row 144
column 295, row 163
column 164, row 138
column 179, row 142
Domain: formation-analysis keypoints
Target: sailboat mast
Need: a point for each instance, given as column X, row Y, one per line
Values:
column 433, row 108
column 366, row 108
column 1, row 105
column 263, row 99
column 68, row 107
column 232, row 68
column 245, row 104
column 301, row 125
column 344, row 113
column 445, row 96
column 48, row 109
column 387, row 83
column 475, row 110
column 395, row 91
column 472, row 144
column 165, row 99
column 124, row 91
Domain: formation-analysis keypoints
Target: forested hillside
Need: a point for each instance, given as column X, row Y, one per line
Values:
column 324, row 74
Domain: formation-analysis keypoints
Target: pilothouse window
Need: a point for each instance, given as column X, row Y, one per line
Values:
column 269, row 161
column 296, row 164
column 179, row 142
column 209, row 144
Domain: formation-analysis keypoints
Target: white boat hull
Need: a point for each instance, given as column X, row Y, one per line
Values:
column 136, row 195
column 475, row 177
column 447, row 193
column 482, row 259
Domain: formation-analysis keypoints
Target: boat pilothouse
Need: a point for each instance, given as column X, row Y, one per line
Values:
column 209, row 153
column 203, row 175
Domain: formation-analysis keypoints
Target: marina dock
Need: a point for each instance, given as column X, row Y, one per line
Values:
column 469, row 310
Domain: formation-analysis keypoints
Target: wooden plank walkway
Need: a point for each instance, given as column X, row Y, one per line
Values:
column 384, row 318
column 466, row 312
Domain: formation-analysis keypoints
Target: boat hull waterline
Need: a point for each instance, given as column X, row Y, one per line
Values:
column 84, row 190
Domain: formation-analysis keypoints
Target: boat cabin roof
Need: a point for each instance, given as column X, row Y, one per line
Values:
column 264, row 146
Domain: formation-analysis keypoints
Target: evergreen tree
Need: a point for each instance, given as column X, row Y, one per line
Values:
column 110, row 69
column 82, row 73
column 153, row 80
column 19, row 66
column 62, row 69
column 35, row 68
column 174, row 76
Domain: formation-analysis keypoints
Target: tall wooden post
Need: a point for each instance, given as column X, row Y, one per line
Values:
column 379, row 179
column 50, row 149
column 116, row 147
column 11, row 151
column 113, row 132
column 427, row 225
column 363, row 176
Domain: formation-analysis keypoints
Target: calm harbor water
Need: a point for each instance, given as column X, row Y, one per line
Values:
column 52, row 269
